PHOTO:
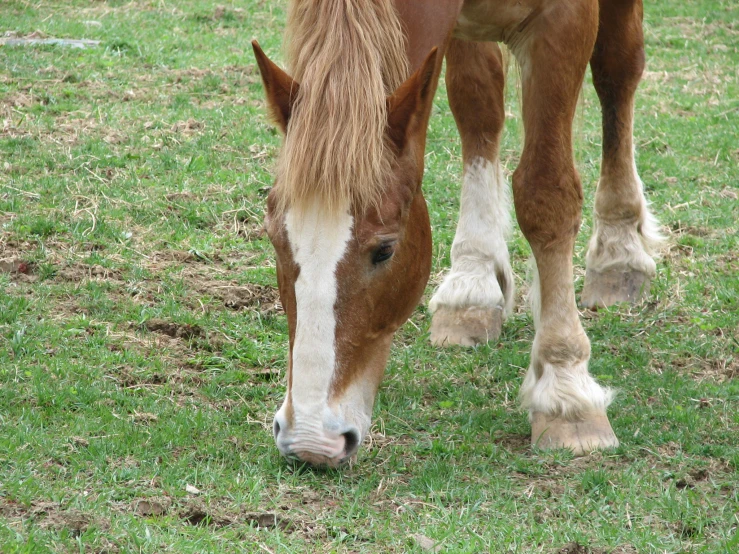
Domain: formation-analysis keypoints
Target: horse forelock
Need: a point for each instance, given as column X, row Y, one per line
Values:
column 348, row 56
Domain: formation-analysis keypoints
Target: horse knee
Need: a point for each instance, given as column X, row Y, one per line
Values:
column 548, row 204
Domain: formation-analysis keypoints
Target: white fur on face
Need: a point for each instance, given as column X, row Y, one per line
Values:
column 318, row 241
column 479, row 253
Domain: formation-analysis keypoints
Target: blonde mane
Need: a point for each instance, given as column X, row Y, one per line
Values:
column 347, row 56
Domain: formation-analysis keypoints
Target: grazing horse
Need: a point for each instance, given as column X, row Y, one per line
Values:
column 349, row 223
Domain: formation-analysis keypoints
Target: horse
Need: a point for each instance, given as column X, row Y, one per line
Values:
column 349, row 223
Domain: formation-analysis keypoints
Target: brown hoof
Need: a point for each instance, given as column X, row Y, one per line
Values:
column 592, row 433
column 609, row 287
column 465, row 326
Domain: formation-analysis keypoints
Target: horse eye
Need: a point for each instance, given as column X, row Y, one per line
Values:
column 383, row 253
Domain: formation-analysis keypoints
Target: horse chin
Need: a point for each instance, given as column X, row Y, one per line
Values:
column 319, row 461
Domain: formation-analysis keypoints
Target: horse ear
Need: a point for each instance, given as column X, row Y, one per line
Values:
column 280, row 88
column 411, row 101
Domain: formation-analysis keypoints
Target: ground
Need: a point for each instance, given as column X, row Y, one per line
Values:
column 142, row 342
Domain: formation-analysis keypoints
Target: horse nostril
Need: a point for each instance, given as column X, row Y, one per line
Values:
column 276, row 428
column 352, row 442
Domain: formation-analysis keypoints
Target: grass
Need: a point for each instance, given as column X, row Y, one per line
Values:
column 142, row 348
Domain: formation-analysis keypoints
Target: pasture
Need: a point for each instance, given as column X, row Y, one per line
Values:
column 143, row 346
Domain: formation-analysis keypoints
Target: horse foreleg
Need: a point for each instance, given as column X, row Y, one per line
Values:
column 477, row 294
column 625, row 234
column 567, row 408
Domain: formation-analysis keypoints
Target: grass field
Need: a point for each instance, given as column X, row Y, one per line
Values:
column 142, row 345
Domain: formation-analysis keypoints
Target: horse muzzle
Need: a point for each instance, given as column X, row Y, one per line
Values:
column 316, row 445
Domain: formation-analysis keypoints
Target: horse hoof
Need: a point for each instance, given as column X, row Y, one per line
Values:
column 609, row 287
column 582, row 437
column 465, row 326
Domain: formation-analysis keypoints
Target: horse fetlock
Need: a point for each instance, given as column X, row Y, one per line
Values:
column 591, row 432
column 623, row 244
column 469, row 307
column 471, row 283
column 620, row 265
column 561, row 388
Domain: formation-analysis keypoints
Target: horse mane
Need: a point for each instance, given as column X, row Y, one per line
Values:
column 347, row 56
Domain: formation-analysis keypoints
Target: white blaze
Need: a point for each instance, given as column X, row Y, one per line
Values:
column 318, row 240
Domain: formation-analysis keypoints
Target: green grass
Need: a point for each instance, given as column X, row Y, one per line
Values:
column 132, row 183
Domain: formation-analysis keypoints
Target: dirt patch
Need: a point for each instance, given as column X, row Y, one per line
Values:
column 152, row 507
column 699, row 477
column 377, row 441
column 196, row 513
column 236, row 74
column 424, row 543
column 265, row 373
column 11, row 508
column 189, row 127
column 718, row 369
column 577, row 548
column 268, row 520
column 181, row 371
column 144, row 417
column 17, row 255
column 187, row 256
column 78, row 272
column 16, row 267
column 19, row 100
column 50, row 515
column 73, row 520
column 680, row 229
column 514, row 443
column 266, row 298
column 184, row 331
column 26, row 271
column 198, row 275
column 185, row 377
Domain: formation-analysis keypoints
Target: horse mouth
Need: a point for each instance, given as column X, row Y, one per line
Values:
column 319, row 460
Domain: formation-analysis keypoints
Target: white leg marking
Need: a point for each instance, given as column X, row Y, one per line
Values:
column 562, row 390
column 480, row 262
column 560, row 386
column 318, row 241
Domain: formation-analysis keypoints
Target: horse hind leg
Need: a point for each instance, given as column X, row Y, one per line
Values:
column 477, row 294
column 567, row 407
column 619, row 263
